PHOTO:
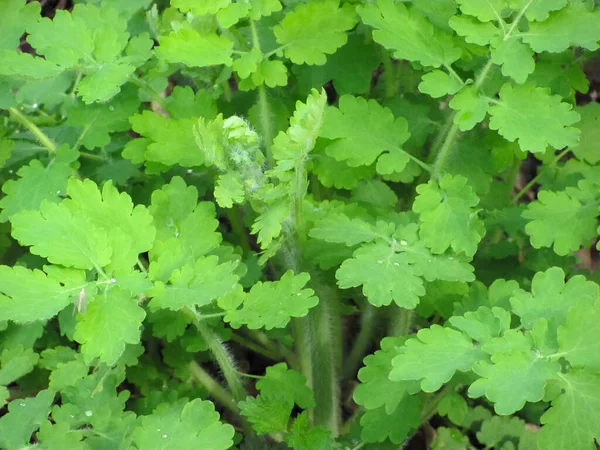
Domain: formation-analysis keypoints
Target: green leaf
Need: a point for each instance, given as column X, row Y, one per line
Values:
column 409, row 34
column 15, row 17
column 184, row 425
column 454, row 406
column 447, row 214
column 450, row 439
column 562, row 220
column 270, row 304
column 339, row 228
column 55, row 233
column 228, row 190
column 514, row 377
column 484, row 11
column 97, row 121
column 169, row 141
column 579, row 338
column 438, row 83
column 385, row 275
column 112, row 320
column 36, row 184
column 587, row 149
column 376, row 390
column 364, row 130
column 200, row 9
column 498, row 429
column 474, row 31
column 268, row 225
column 129, row 228
column 434, row 357
column 484, row 324
column 287, row 383
column 470, row 108
column 195, row 285
column 16, row 362
column 23, row 418
column 537, row 10
column 377, row 425
column 60, row 436
column 522, row 109
column 551, row 298
column 187, row 46
column 304, row 437
column 29, row 295
column 299, row 139
column 90, row 39
column 314, row 30
column 267, row 414
column 572, row 421
column 574, row 26
column 515, row 57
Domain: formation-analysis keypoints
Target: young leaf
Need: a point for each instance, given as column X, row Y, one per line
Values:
column 339, row 228
column 304, row 437
column 448, row 217
column 288, row 383
column 189, row 47
column 438, row 83
column 484, row 11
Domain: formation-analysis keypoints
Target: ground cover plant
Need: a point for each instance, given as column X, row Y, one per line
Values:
column 312, row 225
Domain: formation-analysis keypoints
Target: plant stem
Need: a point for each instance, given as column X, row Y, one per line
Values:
column 221, row 355
column 448, row 143
column 433, row 400
column 326, row 356
column 39, row 134
column 218, row 392
column 535, row 179
column 234, row 215
column 388, row 70
column 368, row 322
column 149, row 90
column 401, row 322
column 255, row 348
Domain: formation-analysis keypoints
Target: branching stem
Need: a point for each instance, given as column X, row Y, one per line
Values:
column 39, row 134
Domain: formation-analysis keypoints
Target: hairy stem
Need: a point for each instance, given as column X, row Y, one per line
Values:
column 401, row 322
column 389, row 72
column 39, row 134
column 326, row 356
column 255, row 347
column 218, row 392
column 368, row 323
column 221, row 355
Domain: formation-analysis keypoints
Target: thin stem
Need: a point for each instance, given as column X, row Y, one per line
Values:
column 448, row 144
column 535, row 179
column 221, row 354
column 452, row 72
column 218, row 392
column 517, row 20
column 255, row 348
column 433, row 400
column 92, row 156
column 368, row 322
column 149, row 90
column 264, row 111
column 278, row 49
column 39, row 134
column 234, row 215
column 388, row 70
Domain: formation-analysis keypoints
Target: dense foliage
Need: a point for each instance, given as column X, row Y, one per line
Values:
column 314, row 225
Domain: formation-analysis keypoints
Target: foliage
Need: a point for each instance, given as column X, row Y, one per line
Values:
column 213, row 211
